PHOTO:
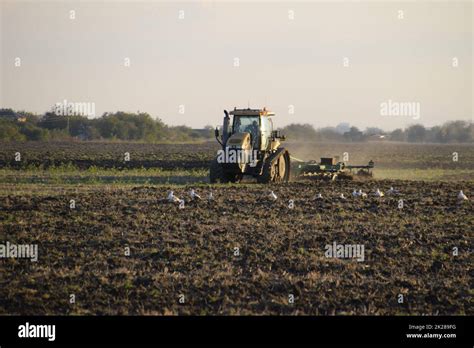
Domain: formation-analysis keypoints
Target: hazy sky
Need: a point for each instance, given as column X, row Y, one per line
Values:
column 291, row 56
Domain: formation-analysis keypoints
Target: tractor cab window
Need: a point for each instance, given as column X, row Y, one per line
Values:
column 247, row 124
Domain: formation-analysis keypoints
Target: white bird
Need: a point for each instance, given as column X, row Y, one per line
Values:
column 342, row 196
column 172, row 198
column 362, row 194
column 355, row 193
column 392, row 191
column 462, row 196
column 210, row 197
column 194, row 195
column 379, row 193
column 319, row 196
column 273, row 195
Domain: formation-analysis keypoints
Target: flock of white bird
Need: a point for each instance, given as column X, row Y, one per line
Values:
column 192, row 193
column 356, row 194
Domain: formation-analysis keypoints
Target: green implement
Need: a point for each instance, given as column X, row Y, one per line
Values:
column 329, row 168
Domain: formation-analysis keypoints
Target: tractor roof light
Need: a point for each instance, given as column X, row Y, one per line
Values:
column 251, row 112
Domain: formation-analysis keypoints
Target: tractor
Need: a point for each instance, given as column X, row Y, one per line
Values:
column 250, row 146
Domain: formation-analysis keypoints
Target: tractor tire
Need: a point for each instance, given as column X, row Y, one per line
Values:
column 284, row 167
column 276, row 169
column 268, row 173
column 216, row 173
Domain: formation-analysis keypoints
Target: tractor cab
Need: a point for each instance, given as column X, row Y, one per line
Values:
column 256, row 123
column 250, row 131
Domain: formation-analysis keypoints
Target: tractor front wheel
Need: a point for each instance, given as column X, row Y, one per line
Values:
column 216, row 173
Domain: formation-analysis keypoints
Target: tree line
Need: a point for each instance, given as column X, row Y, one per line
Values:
column 22, row 126
column 449, row 132
column 125, row 126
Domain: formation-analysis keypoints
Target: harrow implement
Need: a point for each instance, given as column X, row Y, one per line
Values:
column 329, row 168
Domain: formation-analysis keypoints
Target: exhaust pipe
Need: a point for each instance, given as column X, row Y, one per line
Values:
column 225, row 128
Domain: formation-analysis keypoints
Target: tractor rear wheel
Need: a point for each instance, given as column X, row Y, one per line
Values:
column 268, row 173
column 284, row 167
column 276, row 169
